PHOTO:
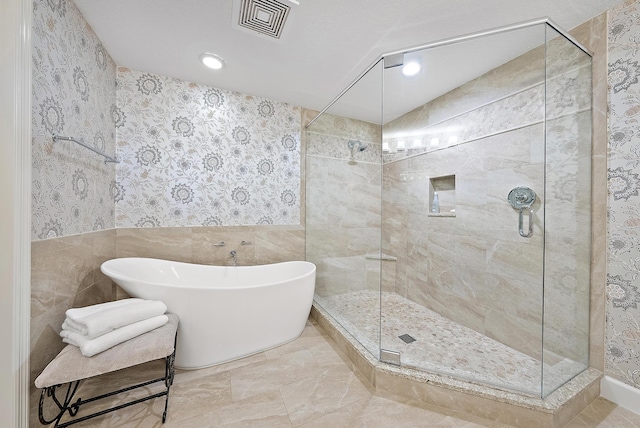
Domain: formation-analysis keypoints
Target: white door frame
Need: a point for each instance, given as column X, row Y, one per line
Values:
column 15, row 210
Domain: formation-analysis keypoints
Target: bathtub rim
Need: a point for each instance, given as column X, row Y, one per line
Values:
column 113, row 276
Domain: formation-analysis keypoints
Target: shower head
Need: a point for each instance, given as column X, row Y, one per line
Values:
column 355, row 146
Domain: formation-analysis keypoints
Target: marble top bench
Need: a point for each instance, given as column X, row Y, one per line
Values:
column 71, row 367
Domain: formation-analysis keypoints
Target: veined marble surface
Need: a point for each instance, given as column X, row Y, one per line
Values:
column 305, row 383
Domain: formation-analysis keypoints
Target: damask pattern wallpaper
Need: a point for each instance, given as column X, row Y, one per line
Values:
column 190, row 155
column 623, row 270
column 73, row 95
column 195, row 155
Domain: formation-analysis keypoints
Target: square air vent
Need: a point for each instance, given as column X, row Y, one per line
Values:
column 266, row 17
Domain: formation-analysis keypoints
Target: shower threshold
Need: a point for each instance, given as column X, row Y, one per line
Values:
column 440, row 345
column 459, row 368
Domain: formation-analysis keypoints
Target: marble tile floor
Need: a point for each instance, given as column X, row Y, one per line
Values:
column 441, row 345
column 305, row 383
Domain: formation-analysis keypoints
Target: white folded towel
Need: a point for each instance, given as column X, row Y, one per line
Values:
column 92, row 323
column 91, row 347
column 74, row 313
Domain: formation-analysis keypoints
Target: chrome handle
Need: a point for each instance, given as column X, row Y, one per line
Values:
column 219, row 244
column 523, row 198
column 521, row 221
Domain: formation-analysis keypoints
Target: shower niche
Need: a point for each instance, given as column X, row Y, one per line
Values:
column 442, row 194
column 486, row 113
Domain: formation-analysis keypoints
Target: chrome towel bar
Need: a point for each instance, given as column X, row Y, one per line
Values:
column 107, row 158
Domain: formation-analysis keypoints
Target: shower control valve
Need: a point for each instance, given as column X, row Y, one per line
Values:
column 521, row 199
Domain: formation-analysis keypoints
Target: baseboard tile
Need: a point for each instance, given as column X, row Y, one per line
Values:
column 620, row 393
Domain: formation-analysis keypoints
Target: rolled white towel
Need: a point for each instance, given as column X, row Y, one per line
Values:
column 96, row 323
column 91, row 347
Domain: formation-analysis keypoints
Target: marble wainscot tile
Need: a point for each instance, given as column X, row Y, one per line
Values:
column 65, row 274
column 279, row 244
column 207, row 248
column 172, row 243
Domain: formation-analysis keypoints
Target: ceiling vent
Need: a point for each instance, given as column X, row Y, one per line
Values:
column 266, row 17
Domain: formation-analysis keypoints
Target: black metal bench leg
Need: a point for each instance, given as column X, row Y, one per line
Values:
column 169, row 373
column 72, row 387
column 63, row 407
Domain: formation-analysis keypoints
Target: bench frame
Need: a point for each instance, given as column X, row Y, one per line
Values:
column 65, row 404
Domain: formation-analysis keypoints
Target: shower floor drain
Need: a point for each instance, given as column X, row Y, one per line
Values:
column 406, row 338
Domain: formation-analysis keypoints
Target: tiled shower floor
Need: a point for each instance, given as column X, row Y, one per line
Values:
column 441, row 345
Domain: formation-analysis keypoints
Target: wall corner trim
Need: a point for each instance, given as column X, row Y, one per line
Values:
column 620, row 393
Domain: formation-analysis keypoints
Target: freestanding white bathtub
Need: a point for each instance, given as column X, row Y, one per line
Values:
column 225, row 312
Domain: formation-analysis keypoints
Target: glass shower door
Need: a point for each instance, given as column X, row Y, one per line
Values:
column 448, row 209
column 464, row 294
column 568, row 201
column 343, row 191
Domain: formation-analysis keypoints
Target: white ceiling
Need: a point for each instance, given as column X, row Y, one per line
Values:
column 325, row 44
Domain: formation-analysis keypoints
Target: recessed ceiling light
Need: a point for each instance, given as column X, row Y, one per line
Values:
column 411, row 69
column 212, row 61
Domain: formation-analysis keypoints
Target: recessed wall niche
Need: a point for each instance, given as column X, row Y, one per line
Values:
column 445, row 186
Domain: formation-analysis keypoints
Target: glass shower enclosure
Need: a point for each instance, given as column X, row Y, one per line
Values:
column 448, row 211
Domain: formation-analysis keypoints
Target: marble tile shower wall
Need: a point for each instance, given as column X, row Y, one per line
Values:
column 622, row 347
column 474, row 268
column 192, row 155
column 343, row 204
column 73, row 95
column 472, row 111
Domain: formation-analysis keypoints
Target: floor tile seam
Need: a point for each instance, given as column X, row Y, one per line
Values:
column 180, row 381
column 321, row 372
column 631, row 423
column 212, row 414
column 209, row 415
column 284, row 406
column 306, row 347
column 212, row 404
column 332, row 412
column 175, row 421
column 337, row 409
column 347, row 389
column 269, row 362
column 344, row 359
column 308, row 374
